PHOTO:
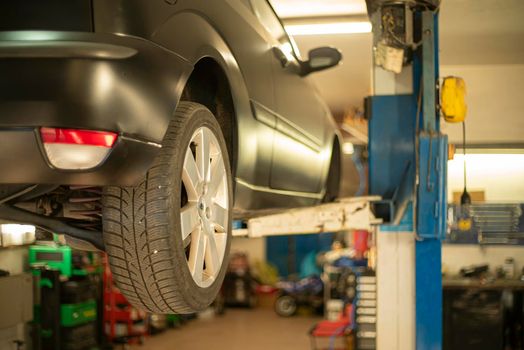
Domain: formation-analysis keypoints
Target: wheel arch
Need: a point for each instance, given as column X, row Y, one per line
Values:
column 210, row 55
column 209, row 85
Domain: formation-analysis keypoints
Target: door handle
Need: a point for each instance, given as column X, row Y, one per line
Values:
column 281, row 56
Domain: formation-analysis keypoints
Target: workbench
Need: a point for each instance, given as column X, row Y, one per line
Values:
column 499, row 284
column 480, row 314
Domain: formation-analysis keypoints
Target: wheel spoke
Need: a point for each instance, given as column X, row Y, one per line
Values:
column 212, row 255
column 188, row 219
column 217, row 174
column 220, row 217
column 191, row 176
column 196, row 254
column 221, row 240
column 203, row 154
column 205, row 218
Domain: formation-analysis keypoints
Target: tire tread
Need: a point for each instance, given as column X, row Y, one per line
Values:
column 135, row 219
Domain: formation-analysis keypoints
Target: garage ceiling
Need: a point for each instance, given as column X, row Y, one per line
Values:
column 482, row 32
column 473, row 32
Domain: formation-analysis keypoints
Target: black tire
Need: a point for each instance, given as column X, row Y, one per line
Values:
column 286, row 306
column 142, row 224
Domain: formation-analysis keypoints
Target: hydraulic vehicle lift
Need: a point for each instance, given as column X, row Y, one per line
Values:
column 408, row 168
column 407, row 178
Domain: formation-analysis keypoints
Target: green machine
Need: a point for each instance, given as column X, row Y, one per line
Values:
column 51, row 257
column 66, row 309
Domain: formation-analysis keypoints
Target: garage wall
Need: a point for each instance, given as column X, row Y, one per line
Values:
column 454, row 257
column 500, row 176
column 9, row 335
column 15, row 260
column 495, row 104
column 255, row 248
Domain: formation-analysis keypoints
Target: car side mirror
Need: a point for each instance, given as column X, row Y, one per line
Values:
column 321, row 58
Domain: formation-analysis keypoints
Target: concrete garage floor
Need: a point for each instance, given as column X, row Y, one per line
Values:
column 238, row 329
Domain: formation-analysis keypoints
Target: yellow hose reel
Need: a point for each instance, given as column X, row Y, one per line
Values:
column 453, row 100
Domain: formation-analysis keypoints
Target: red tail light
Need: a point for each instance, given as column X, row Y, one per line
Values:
column 72, row 149
column 78, row 137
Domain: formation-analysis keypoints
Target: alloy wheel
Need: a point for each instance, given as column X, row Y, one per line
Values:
column 205, row 209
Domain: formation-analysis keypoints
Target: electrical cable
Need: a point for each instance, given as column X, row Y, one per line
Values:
column 465, row 199
column 464, row 152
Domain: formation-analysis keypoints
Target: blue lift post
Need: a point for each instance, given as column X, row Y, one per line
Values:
column 431, row 197
column 408, row 168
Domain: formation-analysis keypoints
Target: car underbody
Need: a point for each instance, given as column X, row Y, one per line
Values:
column 72, row 210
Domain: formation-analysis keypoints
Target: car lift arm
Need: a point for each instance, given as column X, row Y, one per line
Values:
column 347, row 214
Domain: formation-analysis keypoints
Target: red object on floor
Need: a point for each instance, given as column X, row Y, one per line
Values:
column 329, row 328
column 118, row 312
column 335, row 333
column 339, row 329
column 360, row 241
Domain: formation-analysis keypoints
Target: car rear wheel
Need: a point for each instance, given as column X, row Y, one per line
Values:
column 168, row 238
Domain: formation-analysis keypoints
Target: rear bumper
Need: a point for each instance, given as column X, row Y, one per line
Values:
column 91, row 81
column 23, row 161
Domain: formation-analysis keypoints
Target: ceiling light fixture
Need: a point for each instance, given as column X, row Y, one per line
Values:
column 329, row 28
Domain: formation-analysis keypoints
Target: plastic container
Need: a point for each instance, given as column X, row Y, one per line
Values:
column 334, row 309
column 509, row 268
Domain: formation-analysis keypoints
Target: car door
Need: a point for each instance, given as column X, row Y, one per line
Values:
column 298, row 157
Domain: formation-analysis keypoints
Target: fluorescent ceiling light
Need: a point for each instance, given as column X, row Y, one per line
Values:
column 311, row 8
column 329, row 28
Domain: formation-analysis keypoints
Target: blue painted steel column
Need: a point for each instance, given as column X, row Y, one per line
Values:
column 428, row 295
column 431, row 195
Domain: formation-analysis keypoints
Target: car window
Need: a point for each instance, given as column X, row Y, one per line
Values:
column 271, row 22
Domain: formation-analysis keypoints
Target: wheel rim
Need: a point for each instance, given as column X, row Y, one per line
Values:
column 286, row 305
column 204, row 214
